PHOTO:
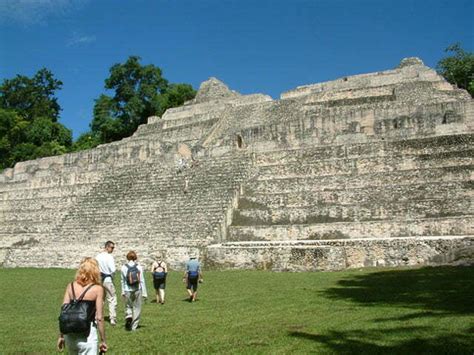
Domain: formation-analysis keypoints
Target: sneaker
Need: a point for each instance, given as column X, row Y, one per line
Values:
column 128, row 323
column 113, row 322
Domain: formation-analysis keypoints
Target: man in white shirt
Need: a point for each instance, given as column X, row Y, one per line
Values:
column 133, row 290
column 107, row 270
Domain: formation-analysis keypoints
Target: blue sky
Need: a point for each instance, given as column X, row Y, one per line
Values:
column 252, row 45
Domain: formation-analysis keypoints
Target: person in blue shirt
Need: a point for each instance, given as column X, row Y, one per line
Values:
column 192, row 277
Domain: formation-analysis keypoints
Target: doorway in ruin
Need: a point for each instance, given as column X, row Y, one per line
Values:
column 240, row 142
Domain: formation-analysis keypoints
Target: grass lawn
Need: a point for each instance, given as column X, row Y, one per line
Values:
column 405, row 311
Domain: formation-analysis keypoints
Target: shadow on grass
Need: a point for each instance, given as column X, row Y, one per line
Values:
column 430, row 292
column 429, row 289
column 368, row 342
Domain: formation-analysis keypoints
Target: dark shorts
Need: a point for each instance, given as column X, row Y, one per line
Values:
column 159, row 283
column 192, row 283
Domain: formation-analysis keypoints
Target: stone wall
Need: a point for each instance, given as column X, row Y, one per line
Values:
column 341, row 254
column 367, row 170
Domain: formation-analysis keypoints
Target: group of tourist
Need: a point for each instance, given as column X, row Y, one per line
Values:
column 94, row 283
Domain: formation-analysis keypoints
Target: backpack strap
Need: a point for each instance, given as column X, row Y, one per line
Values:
column 73, row 293
column 81, row 296
column 84, row 292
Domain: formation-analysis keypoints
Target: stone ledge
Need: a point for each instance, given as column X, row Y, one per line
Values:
column 342, row 254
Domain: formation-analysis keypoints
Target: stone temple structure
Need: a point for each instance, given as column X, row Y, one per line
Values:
column 367, row 170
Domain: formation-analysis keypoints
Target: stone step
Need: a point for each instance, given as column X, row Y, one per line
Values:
column 129, row 213
column 366, row 165
column 28, row 227
column 406, row 192
column 373, row 211
column 331, row 182
column 47, row 192
column 148, row 222
column 459, row 225
column 338, row 254
column 363, row 195
column 53, row 178
column 32, row 216
column 67, row 254
column 36, row 204
column 421, row 146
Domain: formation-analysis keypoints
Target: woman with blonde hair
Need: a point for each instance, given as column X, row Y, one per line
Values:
column 87, row 282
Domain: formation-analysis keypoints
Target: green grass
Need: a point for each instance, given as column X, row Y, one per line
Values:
column 405, row 311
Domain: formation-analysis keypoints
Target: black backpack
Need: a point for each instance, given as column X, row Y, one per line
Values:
column 133, row 275
column 76, row 316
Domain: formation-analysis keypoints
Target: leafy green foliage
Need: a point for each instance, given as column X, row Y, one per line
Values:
column 32, row 97
column 140, row 92
column 86, row 141
column 458, row 68
column 174, row 95
column 43, row 130
column 383, row 311
column 29, row 113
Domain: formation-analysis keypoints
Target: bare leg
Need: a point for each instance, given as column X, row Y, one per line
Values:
column 161, row 293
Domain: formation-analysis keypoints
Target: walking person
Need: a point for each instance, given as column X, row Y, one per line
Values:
column 192, row 276
column 133, row 290
column 107, row 271
column 159, row 271
column 87, row 285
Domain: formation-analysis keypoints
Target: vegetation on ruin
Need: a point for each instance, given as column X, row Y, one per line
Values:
column 410, row 311
column 140, row 91
column 458, row 68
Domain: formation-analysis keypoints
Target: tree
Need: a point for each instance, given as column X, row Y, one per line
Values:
column 140, row 92
column 175, row 95
column 42, row 130
column 32, row 97
column 29, row 114
column 458, row 69
column 104, row 125
column 12, row 129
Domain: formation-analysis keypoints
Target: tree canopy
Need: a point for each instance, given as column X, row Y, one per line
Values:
column 29, row 113
column 32, row 97
column 140, row 91
column 458, row 68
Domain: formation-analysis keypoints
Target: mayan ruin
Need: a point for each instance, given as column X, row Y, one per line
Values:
column 363, row 171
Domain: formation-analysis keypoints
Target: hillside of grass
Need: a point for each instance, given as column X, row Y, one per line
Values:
column 409, row 311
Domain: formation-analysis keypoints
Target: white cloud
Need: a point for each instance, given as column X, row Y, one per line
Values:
column 78, row 39
column 29, row 12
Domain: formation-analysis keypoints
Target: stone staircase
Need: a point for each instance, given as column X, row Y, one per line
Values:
column 144, row 207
